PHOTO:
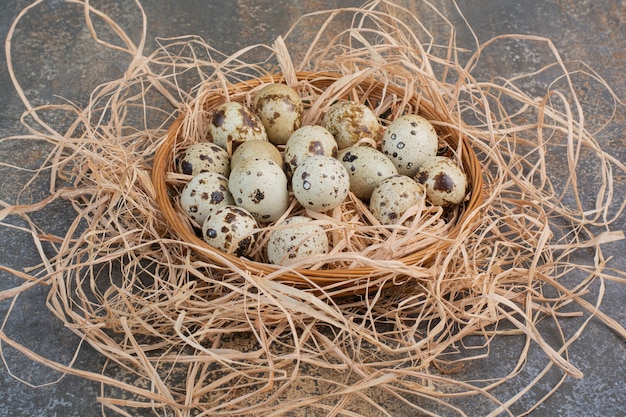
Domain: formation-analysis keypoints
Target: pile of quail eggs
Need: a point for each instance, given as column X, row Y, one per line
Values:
column 257, row 160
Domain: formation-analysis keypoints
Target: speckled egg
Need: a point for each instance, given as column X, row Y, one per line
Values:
column 307, row 141
column 393, row 197
column 445, row 181
column 232, row 124
column 280, row 109
column 260, row 186
column 256, row 149
column 409, row 141
column 296, row 239
column 351, row 121
column 203, row 157
column 320, row 183
column 230, row 229
column 367, row 168
column 204, row 193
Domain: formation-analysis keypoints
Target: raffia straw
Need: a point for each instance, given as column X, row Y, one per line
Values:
column 201, row 333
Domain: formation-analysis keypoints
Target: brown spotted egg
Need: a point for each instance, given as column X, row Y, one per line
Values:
column 256, row 149
column 232, row 124
column 445, row 181
column 280, row 109
column 367, row 168
column 307, row 141
column 320, row 183
column 393, row 197
column 230, row 229
column 260, row 186
column 204, row 193
column 409, row 141
column 203, row 157
column 351, row 121
column 296, row 238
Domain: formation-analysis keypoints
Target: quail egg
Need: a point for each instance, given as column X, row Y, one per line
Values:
column 367, row 168
column 350, row 121
column 280, row 109
column 256, row 149
column 260, row 186
column 393, row 197
column 320, row 183
column 297, row 238
column 232, row 124
column 203, row 157
column 204, row 193
column 445, row 182
column 230, row 229
column 409, row 141
column 307, row 141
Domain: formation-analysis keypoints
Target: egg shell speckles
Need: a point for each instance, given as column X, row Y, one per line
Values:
column 308, row 141
column 296, row 239
column 320, row 183
column 280, row 109
column 409, row 141
column 232, row 124
column 393, row 197
column 350, row 121
column 204, row 193
column 203, row 157
column 260, row 187
column 230, row 229
column 256, row 149
column 367, row 168
column 445, row 182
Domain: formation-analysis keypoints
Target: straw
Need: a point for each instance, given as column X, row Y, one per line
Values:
column 382, row 326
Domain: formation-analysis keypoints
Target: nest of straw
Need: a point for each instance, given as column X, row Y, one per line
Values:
column 203, row 333
column 364, row 255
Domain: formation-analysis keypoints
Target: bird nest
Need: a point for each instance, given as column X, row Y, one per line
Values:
column 365, row 255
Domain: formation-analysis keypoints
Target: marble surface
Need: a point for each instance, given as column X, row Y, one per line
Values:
column 53, row 59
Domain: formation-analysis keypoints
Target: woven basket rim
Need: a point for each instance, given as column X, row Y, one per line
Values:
column 320, row 277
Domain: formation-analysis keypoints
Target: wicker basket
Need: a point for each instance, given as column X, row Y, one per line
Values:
column 340, row 280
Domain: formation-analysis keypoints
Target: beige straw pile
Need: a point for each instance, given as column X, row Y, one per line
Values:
column 188, row 331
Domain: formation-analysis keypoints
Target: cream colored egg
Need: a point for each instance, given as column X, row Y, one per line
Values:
column 280, row 109
column 307, row 141
column 297, row 238
column 320, row 183
column 256, row 149
column 230, row 229
column 232, row 124
column 445, row 182
column 204, row 193
column 409, row 141
column 203, row 157
column 367, row 168
column 260, row 186
column 351, row 121
column 393, row 197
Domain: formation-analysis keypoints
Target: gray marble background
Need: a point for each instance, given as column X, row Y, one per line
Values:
column 53, row 59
